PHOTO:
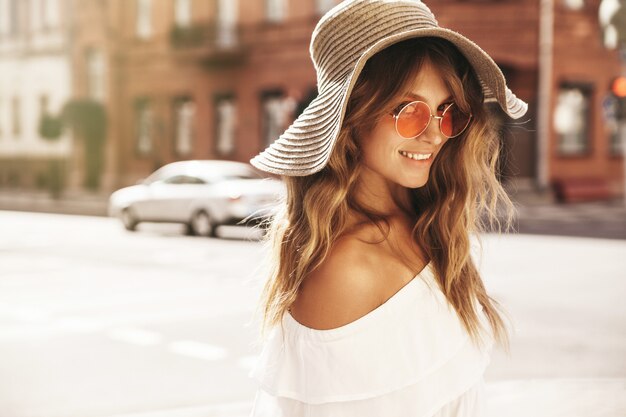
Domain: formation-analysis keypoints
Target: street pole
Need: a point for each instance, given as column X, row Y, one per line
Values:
column 546, row 46
column 612, row 18
column 621, row 121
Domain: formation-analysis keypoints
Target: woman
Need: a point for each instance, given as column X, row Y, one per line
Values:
column 375, row 304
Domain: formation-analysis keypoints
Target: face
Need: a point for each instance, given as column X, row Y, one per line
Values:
column 385, row 152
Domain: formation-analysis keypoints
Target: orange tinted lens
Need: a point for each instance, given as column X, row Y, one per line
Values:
column 413, row 119
column 454, row 121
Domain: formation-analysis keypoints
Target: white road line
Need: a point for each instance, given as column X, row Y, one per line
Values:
column 556, row 397
column 235, row 409
column 198, row 350
column 247, row 362
column 25, row 314
column 135, row 336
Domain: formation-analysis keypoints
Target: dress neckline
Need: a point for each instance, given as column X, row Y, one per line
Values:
column 292, row 323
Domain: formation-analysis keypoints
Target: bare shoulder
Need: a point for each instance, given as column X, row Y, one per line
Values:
column 345, row 287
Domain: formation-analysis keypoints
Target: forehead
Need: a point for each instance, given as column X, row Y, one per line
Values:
column 428, row 83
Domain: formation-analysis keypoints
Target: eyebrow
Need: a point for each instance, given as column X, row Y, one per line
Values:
column 418, row 97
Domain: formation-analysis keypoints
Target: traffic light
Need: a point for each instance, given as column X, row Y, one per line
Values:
column 618, row 86
column 618, row 89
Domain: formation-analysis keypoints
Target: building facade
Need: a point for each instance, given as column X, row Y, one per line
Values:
column 204, row 79
column 35, row 81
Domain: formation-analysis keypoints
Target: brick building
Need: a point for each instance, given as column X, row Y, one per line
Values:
column 197, row 79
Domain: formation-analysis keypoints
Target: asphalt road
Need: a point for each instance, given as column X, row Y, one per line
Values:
column 95, row 321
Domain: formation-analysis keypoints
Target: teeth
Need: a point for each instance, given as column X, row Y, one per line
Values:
column 416, row 156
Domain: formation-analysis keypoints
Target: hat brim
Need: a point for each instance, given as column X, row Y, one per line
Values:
column 304, row 148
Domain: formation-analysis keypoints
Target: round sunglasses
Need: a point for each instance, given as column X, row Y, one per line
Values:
column 413, row 118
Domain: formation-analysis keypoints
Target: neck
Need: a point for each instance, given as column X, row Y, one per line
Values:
column 384, row 197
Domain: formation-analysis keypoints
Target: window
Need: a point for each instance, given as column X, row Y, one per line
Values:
column 184, row 180
column 225, row 122
column 182, row 13
column 16, row 117
column 184, row 120
column 143, row 25
column 574, row 4
column 44, row 104
column 571, row 119
column 44, row 14
column 14, row 17
column 96, row 80
column 324, row 5
column 226, row 23
column 4, row 17
column 275, row 10
column 50, row 13
column 144, row 126
column 36, row 12
column 614, row 110
column 2, row 121
column 615, row 140
column 276, row 111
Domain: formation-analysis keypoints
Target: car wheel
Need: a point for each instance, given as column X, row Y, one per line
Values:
column 202, row 225
column 129, row 220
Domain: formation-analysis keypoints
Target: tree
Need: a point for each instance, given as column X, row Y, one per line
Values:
column 87, row 119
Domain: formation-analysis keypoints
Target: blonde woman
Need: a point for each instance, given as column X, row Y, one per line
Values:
column 374, row 305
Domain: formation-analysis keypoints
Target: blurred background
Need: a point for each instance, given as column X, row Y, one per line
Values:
column 99, row 95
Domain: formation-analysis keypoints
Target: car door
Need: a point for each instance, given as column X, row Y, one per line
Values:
column 172, row 198
column 190, row 188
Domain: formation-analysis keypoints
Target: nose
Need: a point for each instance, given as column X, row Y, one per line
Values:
column 432, row 134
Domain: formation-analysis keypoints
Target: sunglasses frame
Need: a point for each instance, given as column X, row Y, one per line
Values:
column 396, row 116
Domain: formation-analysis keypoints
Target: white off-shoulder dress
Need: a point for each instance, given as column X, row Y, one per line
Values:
column 410, row 357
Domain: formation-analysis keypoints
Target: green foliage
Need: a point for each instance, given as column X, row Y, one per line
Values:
column 50, row 127
column 88, row 120
column 188, row 36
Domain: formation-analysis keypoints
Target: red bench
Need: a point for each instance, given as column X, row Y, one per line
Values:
column 571, row 190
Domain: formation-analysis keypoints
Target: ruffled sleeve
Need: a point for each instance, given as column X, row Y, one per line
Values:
column 410, row 356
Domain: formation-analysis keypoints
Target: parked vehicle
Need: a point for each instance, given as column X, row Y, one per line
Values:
column 200, row 194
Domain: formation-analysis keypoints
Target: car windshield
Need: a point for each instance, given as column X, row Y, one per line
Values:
column 209, row 172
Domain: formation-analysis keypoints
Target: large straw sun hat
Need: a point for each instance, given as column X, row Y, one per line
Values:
column 342, row 42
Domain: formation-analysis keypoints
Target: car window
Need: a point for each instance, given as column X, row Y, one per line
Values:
column 184, row 179
column 239, row 174
column 158, row 175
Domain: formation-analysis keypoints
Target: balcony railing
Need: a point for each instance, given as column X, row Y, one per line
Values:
column 205, row 35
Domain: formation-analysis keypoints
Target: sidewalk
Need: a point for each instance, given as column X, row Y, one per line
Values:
column 536, row 213
column 539, row 213
column 83, row 203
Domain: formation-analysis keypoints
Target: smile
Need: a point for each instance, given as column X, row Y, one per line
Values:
column 416, row 156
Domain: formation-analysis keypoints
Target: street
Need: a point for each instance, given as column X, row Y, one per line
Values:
column 97, row 321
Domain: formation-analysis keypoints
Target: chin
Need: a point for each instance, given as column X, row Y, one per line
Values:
column 416, row 183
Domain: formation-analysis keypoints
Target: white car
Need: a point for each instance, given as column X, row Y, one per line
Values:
column 200, row 194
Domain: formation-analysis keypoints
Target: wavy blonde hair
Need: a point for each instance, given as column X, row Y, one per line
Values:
column 462, row 195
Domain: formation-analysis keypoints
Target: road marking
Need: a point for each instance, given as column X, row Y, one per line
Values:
column 558, row 397
column 198, row 350
column 234, row 409
column 247, row 362
column 135, row 336
column 26, row 314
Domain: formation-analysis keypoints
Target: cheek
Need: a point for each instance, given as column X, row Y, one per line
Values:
column 378, row 150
